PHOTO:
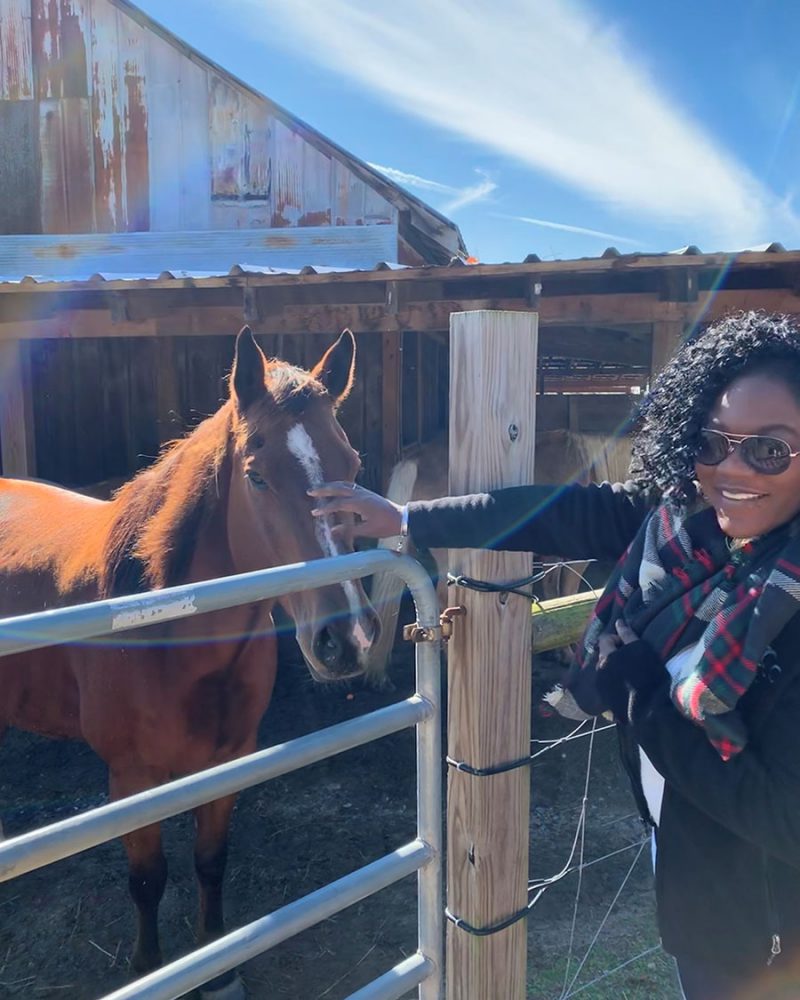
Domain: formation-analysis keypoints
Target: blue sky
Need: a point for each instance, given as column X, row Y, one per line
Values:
column 643, row 125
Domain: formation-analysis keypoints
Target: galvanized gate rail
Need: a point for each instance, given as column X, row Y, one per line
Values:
column 38, row 848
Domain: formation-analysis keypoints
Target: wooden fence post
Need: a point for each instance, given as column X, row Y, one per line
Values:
column 492, row 434
column 16, row 410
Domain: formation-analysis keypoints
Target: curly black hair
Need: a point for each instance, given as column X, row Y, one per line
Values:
column 684, row 393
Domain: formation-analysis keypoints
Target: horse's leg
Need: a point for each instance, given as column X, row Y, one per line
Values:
column 210, row 857
column 147, row 868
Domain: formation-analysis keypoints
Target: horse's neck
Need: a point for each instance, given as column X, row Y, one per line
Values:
column 212, row 557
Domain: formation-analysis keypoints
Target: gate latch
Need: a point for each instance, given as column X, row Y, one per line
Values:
column 420, row 633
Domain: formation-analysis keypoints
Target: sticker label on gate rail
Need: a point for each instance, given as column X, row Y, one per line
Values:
column 149, row 612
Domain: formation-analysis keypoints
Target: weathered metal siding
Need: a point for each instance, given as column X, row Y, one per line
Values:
column 16, row 64
column 125, row 132
column 60, row 30
column 119, row 121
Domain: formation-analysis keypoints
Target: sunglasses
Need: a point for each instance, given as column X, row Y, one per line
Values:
column 767, row 455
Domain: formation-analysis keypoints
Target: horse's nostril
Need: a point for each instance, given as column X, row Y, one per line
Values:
column 328, row 646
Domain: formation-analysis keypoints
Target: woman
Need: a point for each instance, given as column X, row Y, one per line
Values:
column 695, row 643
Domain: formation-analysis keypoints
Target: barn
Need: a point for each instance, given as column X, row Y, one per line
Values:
column 121, row 144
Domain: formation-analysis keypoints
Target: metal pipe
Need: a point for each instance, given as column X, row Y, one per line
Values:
column 430, row 891
column 38, row 848
column 200, row 966
column 119, row 614
column 397, row 981
column 59, row 840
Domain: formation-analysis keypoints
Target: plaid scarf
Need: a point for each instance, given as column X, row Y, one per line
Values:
column 679, row 585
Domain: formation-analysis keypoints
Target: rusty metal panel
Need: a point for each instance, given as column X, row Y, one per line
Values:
column 166, row 155
column 256, row 122
column 287, row 175
column 65, row 147
column 119, row 121
column 195, row 161
column 349, row 196
column 317, row 188
column 225, row 122
column 240, row 162
column 61, row 40
column 107, row 120
column 239, row 127
column 377, row 210
column 19, row 133
column 16, row 64
column 133, row 75
column 178, row 139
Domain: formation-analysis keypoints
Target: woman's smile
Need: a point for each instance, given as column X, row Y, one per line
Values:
column 751, row 503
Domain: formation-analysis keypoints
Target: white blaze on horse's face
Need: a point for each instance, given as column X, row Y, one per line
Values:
column 302, row 447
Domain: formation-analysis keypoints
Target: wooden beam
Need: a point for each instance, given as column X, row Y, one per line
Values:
column 667, row 338
column 391, row 367
column 559, row 622
column 16, row 410
column 588, row 343
column 571, row 312
column 492, row 436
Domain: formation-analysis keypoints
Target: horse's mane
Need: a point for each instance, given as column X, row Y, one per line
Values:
column 161, row 510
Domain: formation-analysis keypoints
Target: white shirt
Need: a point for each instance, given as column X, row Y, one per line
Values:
column 652, row 782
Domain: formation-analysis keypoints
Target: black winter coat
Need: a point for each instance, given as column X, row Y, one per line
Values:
column 728, row 844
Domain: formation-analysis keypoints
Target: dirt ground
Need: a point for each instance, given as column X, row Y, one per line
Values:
column 66, row 931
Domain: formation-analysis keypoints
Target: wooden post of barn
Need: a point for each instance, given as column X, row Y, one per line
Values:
column 492, row 434
column 16, row 410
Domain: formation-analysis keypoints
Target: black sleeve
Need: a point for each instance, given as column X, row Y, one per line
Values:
column 574, row 521
column 756, row 794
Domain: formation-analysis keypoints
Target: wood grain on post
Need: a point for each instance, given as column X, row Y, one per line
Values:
column 492, row 434
column 16, row 410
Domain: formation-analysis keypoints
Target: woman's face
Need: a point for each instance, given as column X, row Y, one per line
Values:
column 749, row 503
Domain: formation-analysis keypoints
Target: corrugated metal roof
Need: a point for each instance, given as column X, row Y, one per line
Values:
column 611, row 253
column 155, row 260
column 132, row 256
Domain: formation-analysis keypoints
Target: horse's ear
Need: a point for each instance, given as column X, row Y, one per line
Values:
column 337, row 367
column 249, row 370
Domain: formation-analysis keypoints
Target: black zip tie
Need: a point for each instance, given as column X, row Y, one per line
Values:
column 483, row 587
column 491, row 928
column 487, row 772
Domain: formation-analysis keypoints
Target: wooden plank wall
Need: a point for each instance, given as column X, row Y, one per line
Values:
column 103, row 407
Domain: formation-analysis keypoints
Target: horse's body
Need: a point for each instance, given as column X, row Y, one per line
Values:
column 179, row 697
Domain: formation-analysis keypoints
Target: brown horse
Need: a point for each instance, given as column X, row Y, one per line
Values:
column 176, row 698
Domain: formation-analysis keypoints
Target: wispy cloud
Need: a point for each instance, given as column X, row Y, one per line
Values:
column 550, row 85
column 581, row 230
column 456, row 197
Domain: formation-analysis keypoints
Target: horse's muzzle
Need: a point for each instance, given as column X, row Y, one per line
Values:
column 340, row 646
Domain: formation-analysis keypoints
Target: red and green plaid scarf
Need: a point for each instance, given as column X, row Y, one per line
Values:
column 679, row 585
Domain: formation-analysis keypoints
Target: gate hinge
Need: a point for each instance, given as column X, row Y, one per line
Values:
column 421, row 633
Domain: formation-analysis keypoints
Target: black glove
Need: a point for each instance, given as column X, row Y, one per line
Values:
column 628, row 676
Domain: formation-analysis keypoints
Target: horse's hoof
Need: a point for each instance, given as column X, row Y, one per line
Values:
column 234, row 990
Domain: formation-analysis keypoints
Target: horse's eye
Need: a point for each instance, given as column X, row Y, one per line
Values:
column 256, row 480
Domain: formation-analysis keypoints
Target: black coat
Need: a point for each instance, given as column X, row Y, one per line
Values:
column 728, row 844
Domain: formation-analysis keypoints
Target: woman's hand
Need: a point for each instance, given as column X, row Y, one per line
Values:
column 376, row 517
column 627, row 670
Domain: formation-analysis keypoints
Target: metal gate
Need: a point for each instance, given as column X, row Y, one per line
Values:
column 38, row 848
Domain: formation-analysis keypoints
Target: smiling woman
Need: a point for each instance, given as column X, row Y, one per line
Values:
column 694, row 646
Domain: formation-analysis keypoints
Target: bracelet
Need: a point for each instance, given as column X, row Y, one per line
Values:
column 403, row 537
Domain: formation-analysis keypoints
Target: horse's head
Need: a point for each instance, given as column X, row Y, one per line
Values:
column 287, row 439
